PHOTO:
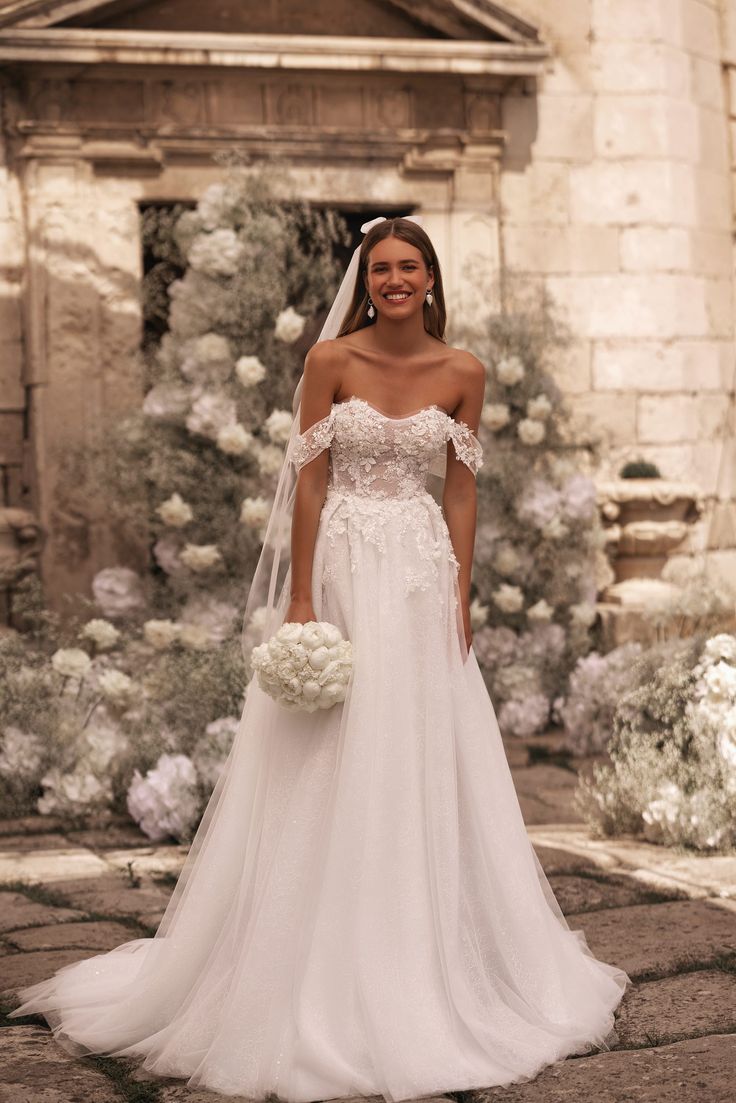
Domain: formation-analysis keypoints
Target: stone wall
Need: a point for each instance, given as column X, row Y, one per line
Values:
column 616, row 192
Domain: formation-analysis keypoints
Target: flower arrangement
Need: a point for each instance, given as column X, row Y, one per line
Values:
column 672, row 776
column 539, row 552
column 304, row 666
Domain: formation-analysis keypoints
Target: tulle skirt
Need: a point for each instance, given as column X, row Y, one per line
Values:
column 361, row 911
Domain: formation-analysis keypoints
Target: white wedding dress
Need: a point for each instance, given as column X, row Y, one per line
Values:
column 365, row 913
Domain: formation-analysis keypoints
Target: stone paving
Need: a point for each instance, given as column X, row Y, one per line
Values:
column 668, row 918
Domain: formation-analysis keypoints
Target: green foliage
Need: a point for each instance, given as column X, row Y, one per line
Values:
column 640, row 469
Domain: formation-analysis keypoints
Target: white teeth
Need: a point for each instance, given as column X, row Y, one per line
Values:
column 402, row 295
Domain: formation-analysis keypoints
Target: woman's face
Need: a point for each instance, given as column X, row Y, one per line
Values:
column 397, row 278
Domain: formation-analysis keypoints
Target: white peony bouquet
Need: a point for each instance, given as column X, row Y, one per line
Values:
column 304, row 666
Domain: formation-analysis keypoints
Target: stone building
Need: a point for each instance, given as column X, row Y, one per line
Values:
column 587, row 144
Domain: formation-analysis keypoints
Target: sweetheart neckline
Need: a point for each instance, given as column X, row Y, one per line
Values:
column 391, row 417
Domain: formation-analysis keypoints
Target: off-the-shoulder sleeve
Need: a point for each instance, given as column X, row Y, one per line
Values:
column 467, row 446
column 313, row 440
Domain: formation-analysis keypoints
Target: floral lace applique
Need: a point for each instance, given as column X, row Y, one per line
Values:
column 313, row 440
column 467, row 446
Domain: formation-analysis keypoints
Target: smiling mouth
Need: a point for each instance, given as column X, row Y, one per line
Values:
column 397, row 297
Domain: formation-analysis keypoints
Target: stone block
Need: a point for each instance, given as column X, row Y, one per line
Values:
column 711, row 252
column 565, row 127
column 584, row 894
column 700, row 28
column 655, row 248
column 11, row 438
column 18, row 910
column 669, row 1010
column 22, row 970
column 658, row 366
column 645, row 126
column 571, row 70
column 113, row 894
column 628, row 67
column 534, row 193
column 34, row 1069
column 713, row 139
column 697, row 933
column 675, row 418
column 615, row 421
column 61, row 936
column 12, row 394
column 713, row 199
column 719, row 304
column 629, row 20
column 657, row 192
column 633, row 306
column 692, row 1071
column 561, row 249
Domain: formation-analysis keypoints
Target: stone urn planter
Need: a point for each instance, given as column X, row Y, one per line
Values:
column 645, row 521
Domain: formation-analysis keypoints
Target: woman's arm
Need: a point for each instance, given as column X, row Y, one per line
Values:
column 319, row 387
column 460, row 498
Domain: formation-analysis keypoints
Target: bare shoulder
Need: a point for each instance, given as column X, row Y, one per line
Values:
column 323, row 356
column 469, row 376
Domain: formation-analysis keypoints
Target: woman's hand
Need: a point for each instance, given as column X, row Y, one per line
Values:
column 300, row 611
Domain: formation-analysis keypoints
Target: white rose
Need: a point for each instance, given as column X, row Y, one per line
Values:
column 250, row 370
column 278, row 425
column 160, row 633
column 720, row 680
column 555, row 529
column 255, row 511
column 509, row 370
column 71, row 662
column 200, row 557
column 495, row 415
column 103, row 634
column 118, row 590
column 506, row 560
column 291, row 632
column 115, row 685
column 541, row 611
column 333, row 636
column 539, row 408
column 166, row 402
column 194, row 637
column 530, row 432
column 211, row 411
column 722, row 646
column 509, row 599
column 175, row 511
column 211, row 348
column 217, row 253
column 270, row 458
column 478, row 614
column 289, row 325
column 313, row 634
column 235, row 440
column 583, row 614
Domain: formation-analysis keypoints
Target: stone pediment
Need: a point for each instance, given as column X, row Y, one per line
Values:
column 479, row 20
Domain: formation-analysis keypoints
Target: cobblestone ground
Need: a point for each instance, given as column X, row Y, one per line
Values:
column 667, row 918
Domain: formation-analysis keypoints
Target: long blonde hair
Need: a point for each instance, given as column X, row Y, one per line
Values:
column 435, row 316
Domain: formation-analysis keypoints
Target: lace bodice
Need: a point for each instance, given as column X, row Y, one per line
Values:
column 380, row 456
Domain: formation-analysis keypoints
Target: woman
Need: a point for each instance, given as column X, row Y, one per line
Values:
column 361, row 911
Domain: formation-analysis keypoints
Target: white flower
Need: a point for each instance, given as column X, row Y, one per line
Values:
column 278, row 425
column 304, row 666
column 200, row 557
column 165, row 802
column 213, row 206
column 509, row 370
column 217, row 253
column 539, row 503
column 160, row 633
column 21, row 754
column 71, row 662
column 665, row 808
column 539, row 408
column 211, row 412
column 103, row 743
column 722, row 646
column 166, row 552
column 524, row 716
column 116, row 686
column 211, row 750
column 289, row 325
column 103, row 634
column 175, row 512
column 73, row 793
column 270, row 458
column 211, row 348
column 250, row 370
column 720, row 680
column 478, row 614
column 583, row 614
column 579, row 498
column 235, row 440
column 506, row 560
column 117, row 591
column 541, row 611
column 495, row 415
column 255, row 512
column 509, row 599
column 207, row 358
column 195, row 637
column 167, row 402
column 530, row 432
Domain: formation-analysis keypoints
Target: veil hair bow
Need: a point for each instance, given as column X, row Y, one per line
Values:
column 269, row 592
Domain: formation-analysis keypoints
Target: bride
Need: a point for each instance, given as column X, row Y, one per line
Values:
column 361, row 911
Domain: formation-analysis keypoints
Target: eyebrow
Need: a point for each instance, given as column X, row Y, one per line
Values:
column 406, row 260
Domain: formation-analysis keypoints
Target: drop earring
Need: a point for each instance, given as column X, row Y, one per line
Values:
column 371, row 308
column 429, row 296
